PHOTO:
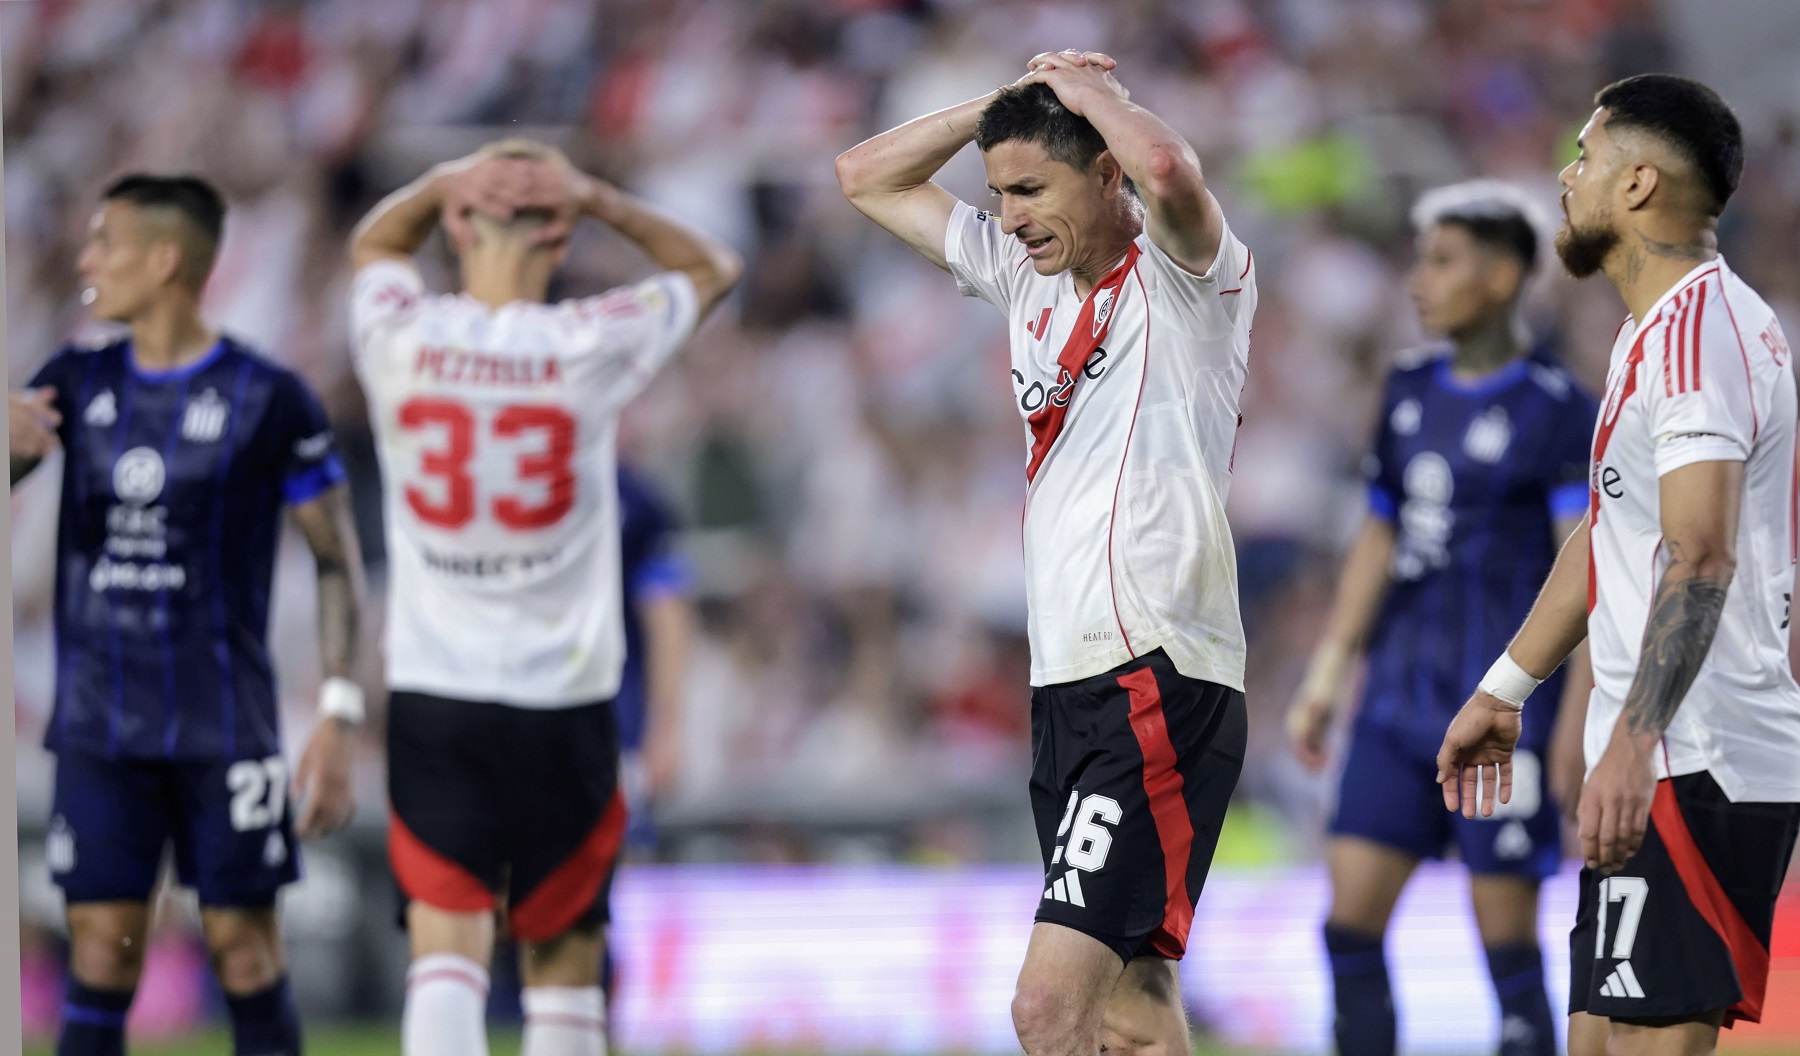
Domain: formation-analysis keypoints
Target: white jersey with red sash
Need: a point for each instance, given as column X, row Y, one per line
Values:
column 1130, row 401
column 1707, row 377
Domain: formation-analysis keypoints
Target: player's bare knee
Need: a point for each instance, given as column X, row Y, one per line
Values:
column 245, row 949
column 107, row 946
column 1048, row 1019
column 569, row 959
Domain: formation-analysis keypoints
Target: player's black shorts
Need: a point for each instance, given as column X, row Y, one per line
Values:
column 1684, row 927
column 498, row 805
column 1131, row 774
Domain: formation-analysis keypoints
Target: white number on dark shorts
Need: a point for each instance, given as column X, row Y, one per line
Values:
column 1632, row 891
column 258, row 793
column 1089, row 840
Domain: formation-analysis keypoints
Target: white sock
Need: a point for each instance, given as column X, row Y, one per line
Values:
column 564, row 1021
column 446, row 1007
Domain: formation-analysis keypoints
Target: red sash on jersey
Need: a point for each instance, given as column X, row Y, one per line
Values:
column 1047, row 421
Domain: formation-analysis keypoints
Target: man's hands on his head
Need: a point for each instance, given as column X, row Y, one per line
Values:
column 503, row 186
column 1075, row 76
column 1475, row 763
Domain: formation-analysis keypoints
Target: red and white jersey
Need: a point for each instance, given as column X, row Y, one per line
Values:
column 1130, row 403
column 1706, row 378
column 496, row 435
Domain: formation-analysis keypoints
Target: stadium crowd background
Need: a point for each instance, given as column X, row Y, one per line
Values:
column 840, row 438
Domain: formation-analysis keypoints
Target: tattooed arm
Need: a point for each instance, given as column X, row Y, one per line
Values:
column 1699, row 522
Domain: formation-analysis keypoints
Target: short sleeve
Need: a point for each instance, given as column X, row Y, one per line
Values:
column 383, row 293
column 1701, row 406
column 1380, row 475
column 642, row 325
column 1564, row 465
column 305, row 453
column 981, row 256
column 1205, row 305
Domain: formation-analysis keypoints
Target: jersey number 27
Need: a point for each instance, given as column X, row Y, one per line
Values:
column 453, row 505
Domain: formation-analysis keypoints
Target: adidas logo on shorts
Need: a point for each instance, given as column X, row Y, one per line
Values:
column 1067, row 889
column 1622, row 982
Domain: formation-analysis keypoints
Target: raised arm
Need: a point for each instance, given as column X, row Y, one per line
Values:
column 1361, row 586
column 712, row 266
column 1182, row 217
column 400, row 223
column 323, row 778
column 888, row 178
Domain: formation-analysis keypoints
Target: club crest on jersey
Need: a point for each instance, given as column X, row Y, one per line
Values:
column 138, row 476
column 102, row 410
column 204, row 419
column 1104, row 312
column 1488, row 436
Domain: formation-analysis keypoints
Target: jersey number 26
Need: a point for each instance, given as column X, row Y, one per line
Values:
column 453, row 505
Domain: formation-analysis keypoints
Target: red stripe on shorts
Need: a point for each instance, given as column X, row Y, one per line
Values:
column 1168, row 807
column 554, row 905
column 1748, row 955
column 429, row 877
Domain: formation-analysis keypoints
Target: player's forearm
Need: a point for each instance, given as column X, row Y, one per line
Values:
column 1557, row 622
column 340, row 616
column 1684, row 619
column 668, row 631
column 713, row 266
column 400, row 223
column 905, row 158
column 1361, row 586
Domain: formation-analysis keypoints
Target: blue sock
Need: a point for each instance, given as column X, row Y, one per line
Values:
column 265, row 1023
column 1365, row 1001
column 93, row 1021
column 1525, row 1025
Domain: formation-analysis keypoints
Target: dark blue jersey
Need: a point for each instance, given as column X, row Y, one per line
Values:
column 172, row 491
column 1473, row 477
column 652, row 567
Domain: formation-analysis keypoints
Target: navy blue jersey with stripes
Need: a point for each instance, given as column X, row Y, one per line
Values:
column 652, row 567
column 172, row 491
column 1473, row 476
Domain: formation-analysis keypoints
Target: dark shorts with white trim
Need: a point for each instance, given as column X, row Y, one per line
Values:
column 1683, row 929
column 1132, row 772
column 495, row 806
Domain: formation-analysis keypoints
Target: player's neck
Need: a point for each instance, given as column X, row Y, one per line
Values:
column 170, row 335
column 1486, row 346
column 1109, row 250
column 498, row 287
column 1648, row 263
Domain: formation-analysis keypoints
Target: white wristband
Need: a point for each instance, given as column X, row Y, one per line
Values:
column 1507, row 682
column 340, row 698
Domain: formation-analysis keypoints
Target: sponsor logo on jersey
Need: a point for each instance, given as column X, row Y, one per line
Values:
column 457, row 366
column 203, row 420
column 486, row 566
column 1425, row 516
column 102, row 410
column 1035, row 395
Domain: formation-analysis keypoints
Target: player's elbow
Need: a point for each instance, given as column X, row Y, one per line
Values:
column 852, row 173
column 1173, row 174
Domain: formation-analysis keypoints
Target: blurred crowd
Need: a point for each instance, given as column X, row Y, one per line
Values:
column 840, row 437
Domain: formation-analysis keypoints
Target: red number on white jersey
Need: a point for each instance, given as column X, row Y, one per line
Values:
column 455, row 506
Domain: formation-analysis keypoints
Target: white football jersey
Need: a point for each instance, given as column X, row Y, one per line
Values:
column 1130, row 402
column 1707, row 378
column 496, row 435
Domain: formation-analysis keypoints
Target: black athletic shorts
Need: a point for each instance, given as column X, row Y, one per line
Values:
column 1131, row 774
column 501, row 806
column 1684, row 928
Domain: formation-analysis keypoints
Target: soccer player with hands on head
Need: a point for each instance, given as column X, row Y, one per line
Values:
column 1680, row 580
column 495, row 416
column 182, row 446
column 1128, row 304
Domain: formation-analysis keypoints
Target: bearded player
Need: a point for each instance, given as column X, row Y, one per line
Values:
column 1128, row 302
column 1681, row 581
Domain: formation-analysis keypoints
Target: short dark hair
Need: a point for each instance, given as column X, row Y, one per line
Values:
column 1688, row 116
column 198, row 202
column 1033, row 114
column 1496, row 215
